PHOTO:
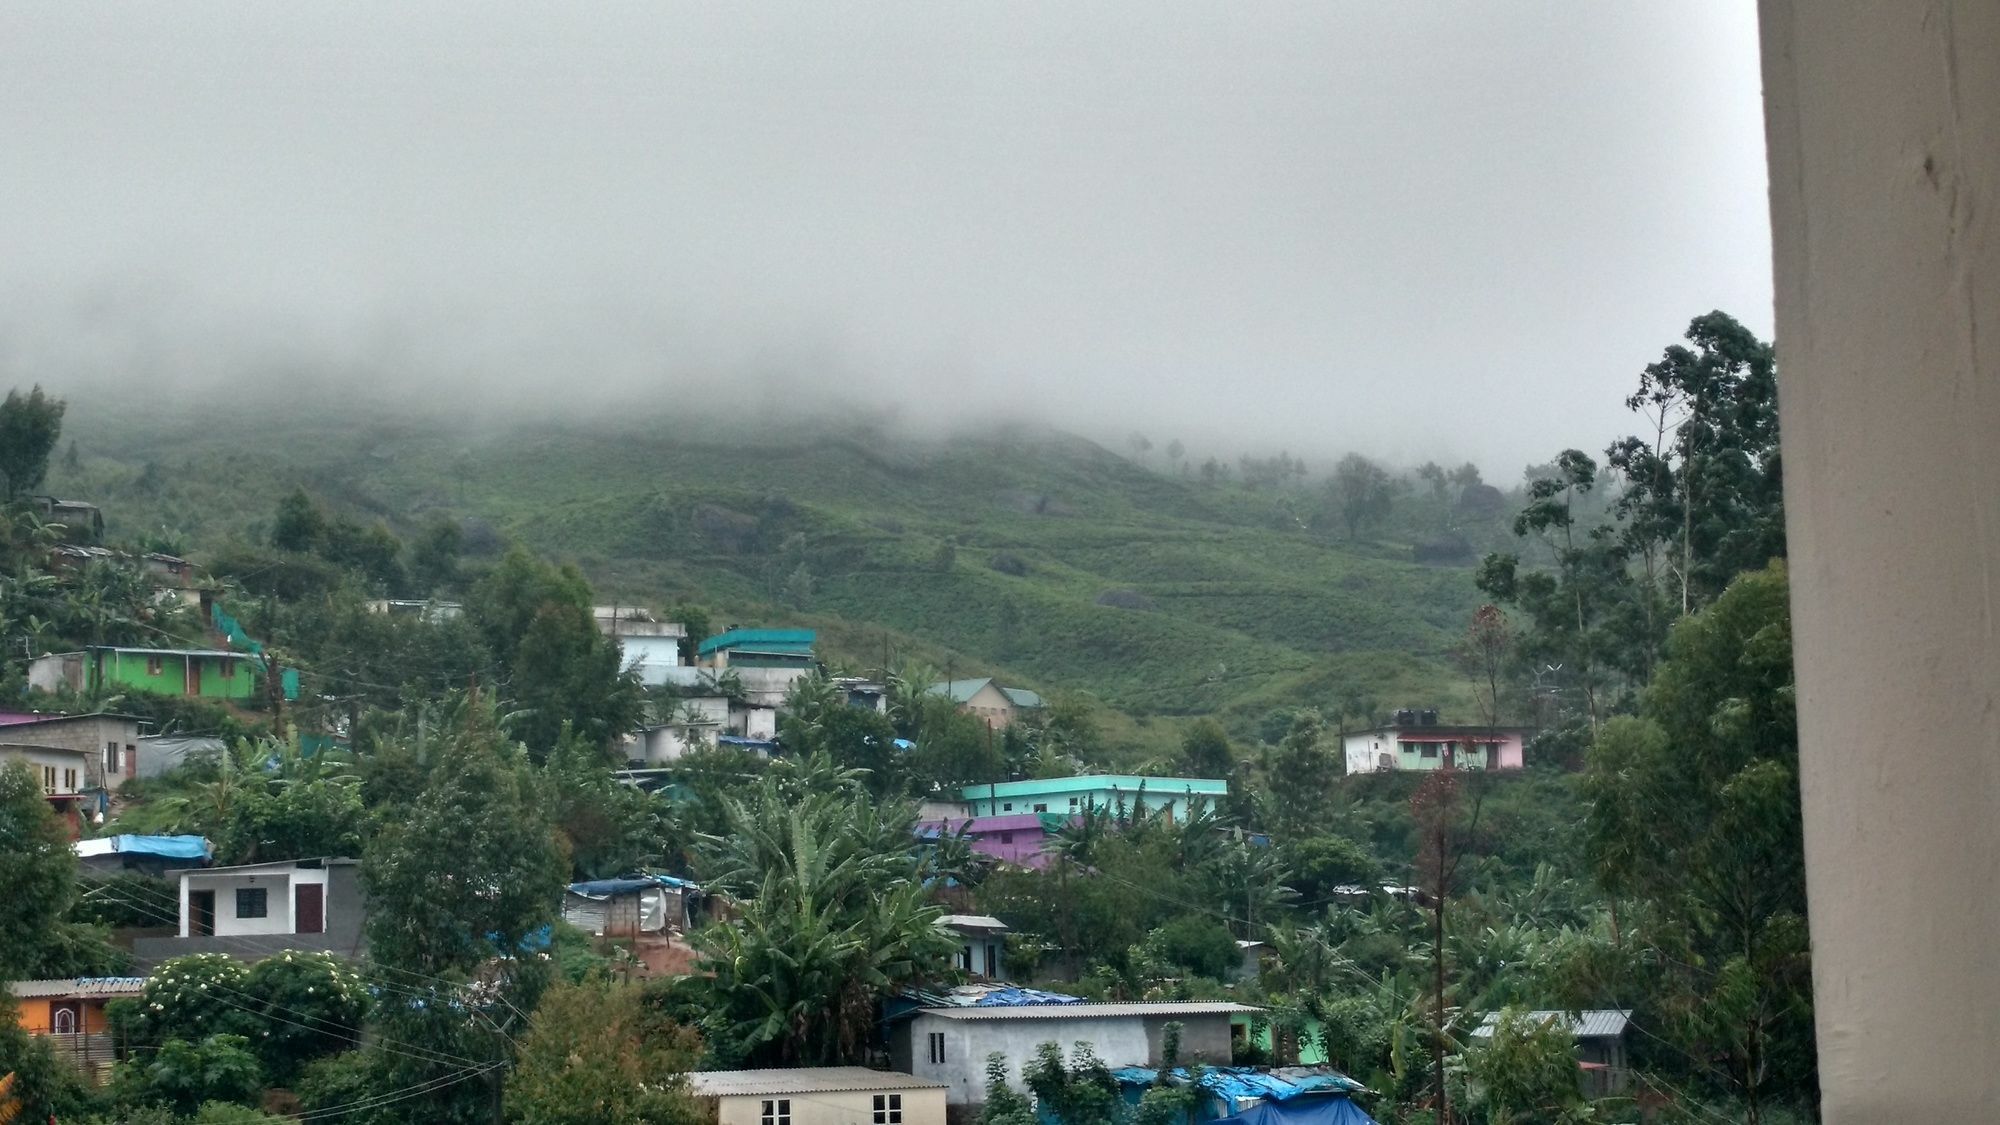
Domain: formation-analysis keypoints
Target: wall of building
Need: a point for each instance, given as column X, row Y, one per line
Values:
column 70, row 766
column 1119, row 1041
column 838, row 1107
column 650, row 656
column 346, row 921
column 278, row 900
column 90, row 734
column 235, row 677
column 1204, row 1039
column 1883, row 119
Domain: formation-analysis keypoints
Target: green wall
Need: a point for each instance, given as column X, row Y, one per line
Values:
column 129, row 669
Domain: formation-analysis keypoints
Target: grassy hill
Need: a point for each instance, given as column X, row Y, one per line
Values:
column 1228, row 599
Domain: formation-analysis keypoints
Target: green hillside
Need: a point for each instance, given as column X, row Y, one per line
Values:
column 1236, row 600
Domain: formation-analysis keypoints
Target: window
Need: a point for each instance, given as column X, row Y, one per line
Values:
column 152, row 666
column 228, row 667
column 111, row 763
column 48, row 779
column 937, row 1047
column 1008, row 807
column 1427, row 749
column 888, row 1109
column 69, row 781
column 1072, row 802
column 1006, row 837
column 252, row 902
column 777, row 1111
column 1042, row 807
column 63, row 1018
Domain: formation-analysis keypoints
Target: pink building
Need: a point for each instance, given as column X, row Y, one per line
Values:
column 1015, row 838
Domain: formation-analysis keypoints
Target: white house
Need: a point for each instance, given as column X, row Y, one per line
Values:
column 645, row 645
column 818, row 1095
column 256, row 909
column 981, row 944
column 950, row 1045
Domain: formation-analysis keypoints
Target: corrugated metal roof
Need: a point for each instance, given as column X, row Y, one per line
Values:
column 1087, row 1011
column 81, row 987
column 1591, row 1023
column 803, row 1080
column 972, row 921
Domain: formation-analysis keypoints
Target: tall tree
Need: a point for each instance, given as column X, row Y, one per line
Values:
column 30, row 426
column 463, row 881
column 37, row 874
column 537, row 622
column 1361, row 492
column 1695, row 813
column 599, row 1054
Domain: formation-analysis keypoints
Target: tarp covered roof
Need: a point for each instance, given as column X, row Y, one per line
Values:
column 1280, row 1084
column 1301, row 1111
column 605, row 888
column 167, row 847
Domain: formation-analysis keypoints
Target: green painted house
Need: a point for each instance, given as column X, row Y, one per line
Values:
column 1176, row 797
column 207, row 673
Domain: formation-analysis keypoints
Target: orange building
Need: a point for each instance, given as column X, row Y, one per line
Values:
column 71, row 1013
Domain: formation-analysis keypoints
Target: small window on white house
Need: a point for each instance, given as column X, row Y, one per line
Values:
column 1072, row 802
column 777, row 1111
column 1008, row 807
column 252, row 902
column 888, row 1109
column 937, row 1047
column 1042, row 807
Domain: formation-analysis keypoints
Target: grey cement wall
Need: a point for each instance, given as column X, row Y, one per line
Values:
column 1884, row 139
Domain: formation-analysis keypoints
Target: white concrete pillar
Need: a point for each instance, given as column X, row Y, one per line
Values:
column 1884, row 133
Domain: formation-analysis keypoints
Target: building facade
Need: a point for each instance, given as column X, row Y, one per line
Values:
column 950, row 1045
column 254, row 910
column 1434, row 746
column 818, row 1095
column 986, row 698
column 1173, row 797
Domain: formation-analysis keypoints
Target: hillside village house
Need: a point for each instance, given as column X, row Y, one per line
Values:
column 257, row 909
column 982, row 946
column 64, row 775
column 950, row 1045
column 1417, row 741
column 111, row 741
column 765, row 662
column 70, row 1013
column 428, row 610
column 1175, row 798
column 987, row 699
column 1016, row 838
column 818, row 1095
column 208, row 673
column 1601, row 1058
column 645, row 645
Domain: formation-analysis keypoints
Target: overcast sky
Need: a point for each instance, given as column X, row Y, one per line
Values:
column 1417, row 229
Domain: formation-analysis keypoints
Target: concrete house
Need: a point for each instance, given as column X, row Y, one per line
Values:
column 987, row 699
column 950, row 1045
column 645, row 645
column 982, row 948
column 110, row 741
column 1417, row 741
column 1016, row 838
column 765, row 661
column 70, row 1013
column 1173, row 797
column 818, row 1095
column 65, row 778
column 209, row 673
column 254, row 910
column 1603, row 1064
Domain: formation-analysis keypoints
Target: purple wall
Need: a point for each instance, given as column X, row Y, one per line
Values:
column 1016, row 838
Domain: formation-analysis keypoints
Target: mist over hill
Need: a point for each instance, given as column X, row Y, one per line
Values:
column 1157, row 585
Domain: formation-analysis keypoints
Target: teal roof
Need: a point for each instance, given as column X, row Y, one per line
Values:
column 764, row 640
column 1097, row 783
column 958, row 691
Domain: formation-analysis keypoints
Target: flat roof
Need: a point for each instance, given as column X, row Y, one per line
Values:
column 274, row 865
column 1096, row 782
column 804, row 1080
column 1086, row 1011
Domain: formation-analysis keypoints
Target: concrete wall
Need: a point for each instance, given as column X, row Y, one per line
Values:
column 842, row 1107
column 650, row 656
column 346, row 920
column 279, row 901
column 1118, row 1041
column 1884, row 142
column 70, row 766
column 1204, row 1039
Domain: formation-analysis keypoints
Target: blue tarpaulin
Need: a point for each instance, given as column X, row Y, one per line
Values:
column 1022, row 997
column 1324, row 1110
column 1239, row 1082
column 169, row 847
column 605, row 888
